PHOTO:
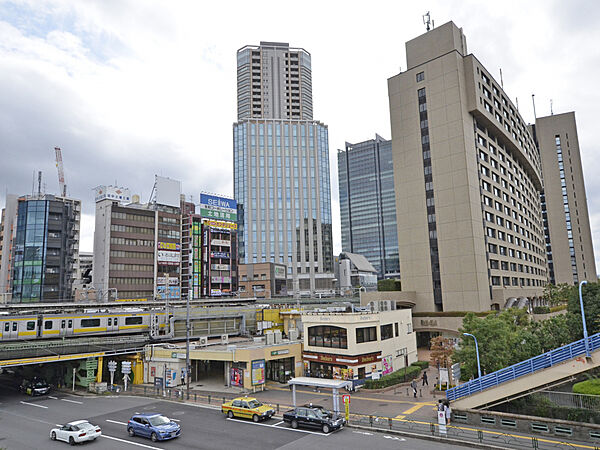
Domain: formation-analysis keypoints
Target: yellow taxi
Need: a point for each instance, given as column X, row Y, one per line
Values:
column 248, row 408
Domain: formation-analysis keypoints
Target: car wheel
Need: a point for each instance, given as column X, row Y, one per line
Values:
column 71, row 440
column 255, row 418
column 53, row 436
column 325, row 428
column 294, row 424
column 154, row 437
column 230, row 414
column 131, row 432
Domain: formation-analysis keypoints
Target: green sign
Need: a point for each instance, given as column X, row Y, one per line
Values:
column 279, row 352
column 220, row 215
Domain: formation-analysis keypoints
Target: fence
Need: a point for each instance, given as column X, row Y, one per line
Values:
column 571, row 400
column 523, row 368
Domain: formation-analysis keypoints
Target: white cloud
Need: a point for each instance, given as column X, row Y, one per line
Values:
column 130, row 88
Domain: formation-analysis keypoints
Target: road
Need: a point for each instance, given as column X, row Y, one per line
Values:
column 25, row 423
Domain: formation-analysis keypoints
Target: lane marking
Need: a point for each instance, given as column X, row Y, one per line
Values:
column 414, row 408
column 176, row 420
column 71, row 401
column 131, row 442
column 399, row 416
column 279, row 428
column 118, row 423
column 278, row 423
column 33, row 404
column 53, row 398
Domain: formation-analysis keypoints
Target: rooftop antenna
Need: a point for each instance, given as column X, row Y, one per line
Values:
column 533, row 101
column 517, row 100
column 501, row 79
column 39, row 183
column 551, row 110
column 427, row 21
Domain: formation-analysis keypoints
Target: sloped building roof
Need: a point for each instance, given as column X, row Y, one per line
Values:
column 359, row 262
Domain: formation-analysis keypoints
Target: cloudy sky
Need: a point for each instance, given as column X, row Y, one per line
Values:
column 129, row 89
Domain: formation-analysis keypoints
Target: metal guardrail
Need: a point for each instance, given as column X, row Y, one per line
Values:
column 523, row 368
column 572, row 400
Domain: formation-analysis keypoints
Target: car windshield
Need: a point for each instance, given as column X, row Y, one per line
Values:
column 39, row 384
column 158, row 420
column 322, row 414
column 254, row 404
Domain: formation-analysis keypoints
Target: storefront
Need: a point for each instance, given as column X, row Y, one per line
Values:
column 340, row 367
column 280, row 370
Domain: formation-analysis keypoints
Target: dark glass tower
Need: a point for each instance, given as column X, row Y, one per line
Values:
column 368, row 204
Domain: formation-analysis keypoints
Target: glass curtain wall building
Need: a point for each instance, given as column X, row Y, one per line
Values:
column 46, row 249
column 368, row 204
column 281, row 168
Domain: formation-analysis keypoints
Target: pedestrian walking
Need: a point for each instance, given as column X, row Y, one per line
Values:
column 425, row 381
column 413, row 385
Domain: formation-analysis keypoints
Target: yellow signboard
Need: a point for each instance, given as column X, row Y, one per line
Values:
column 131, row 300
column 220, row 224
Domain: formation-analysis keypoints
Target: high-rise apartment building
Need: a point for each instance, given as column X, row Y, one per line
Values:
column 274, row 82
column 281, row 168
column 468, row 182
column 564, row 204
column 45, row 250
column 368, row 204
column 137, row 247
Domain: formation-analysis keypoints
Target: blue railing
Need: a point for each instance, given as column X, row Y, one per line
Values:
column 532, row 365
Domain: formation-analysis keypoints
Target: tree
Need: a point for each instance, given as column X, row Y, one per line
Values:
column 442, row 349
column 591, row 306
column 558, row 294
column 389, row 284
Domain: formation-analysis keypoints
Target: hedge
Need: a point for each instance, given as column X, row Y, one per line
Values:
column 558, row 308
column 591, row 387
column 396, row 377
column 421, row 364
column 541, row 310
column 451, row 313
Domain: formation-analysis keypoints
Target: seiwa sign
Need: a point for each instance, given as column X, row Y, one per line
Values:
column 214, row 202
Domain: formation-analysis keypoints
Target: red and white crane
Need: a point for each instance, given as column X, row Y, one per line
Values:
column 61, row 172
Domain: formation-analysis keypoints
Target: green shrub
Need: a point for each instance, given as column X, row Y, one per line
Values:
column 422, row 364
column 590, row 387
column 451, row 313
column 541, row 310
column 389, row 285
column 396, row 377
column 558, row 308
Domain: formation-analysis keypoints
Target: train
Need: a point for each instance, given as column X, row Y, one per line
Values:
column 26, row 327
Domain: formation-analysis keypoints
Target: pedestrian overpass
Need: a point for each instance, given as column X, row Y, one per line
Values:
column 540, row 372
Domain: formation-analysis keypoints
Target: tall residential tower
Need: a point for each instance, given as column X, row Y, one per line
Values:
column 281, row 168
column 468, row 182
column 368, row 204
column 564, row 204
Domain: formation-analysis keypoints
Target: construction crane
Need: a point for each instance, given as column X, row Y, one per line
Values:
column 61, row 172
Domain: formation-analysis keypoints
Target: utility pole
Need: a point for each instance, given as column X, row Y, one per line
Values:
column 187, row 345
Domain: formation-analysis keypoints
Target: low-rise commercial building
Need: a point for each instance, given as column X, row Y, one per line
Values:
column 357, row 346
column 354, row 272
column 262, row 280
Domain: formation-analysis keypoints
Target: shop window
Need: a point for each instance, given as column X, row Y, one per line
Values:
column 366, row 334
column 328, row 336
column 386, row 332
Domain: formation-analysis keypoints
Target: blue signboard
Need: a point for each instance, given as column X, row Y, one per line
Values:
column 212, row 201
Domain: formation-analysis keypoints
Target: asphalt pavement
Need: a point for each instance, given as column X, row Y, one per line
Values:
column 25, row 423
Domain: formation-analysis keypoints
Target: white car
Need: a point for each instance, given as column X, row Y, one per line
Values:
column 76, row 432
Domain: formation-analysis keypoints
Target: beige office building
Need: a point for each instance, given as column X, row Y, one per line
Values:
column 468, row 182
column 564, row 204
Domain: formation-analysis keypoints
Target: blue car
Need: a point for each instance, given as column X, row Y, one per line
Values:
column 154, row 426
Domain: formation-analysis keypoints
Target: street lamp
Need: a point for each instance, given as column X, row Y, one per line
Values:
column 585, row 333
column 476, row 351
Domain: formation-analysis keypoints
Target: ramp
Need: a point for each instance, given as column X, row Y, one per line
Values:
column 536, row 373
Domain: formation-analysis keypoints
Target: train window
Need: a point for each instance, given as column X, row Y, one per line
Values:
column 109, row 322
column 70, row 324
column 62, row 323
column 14, row 326
column 7, row 326
column 48, row 325
column 87, row 323
column 30, row 326
column 116, row 321
column 133, row 321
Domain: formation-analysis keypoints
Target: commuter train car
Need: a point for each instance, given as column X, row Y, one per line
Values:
column 75, row 324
